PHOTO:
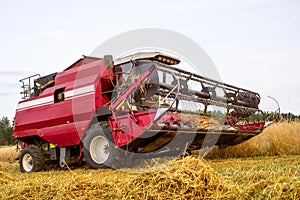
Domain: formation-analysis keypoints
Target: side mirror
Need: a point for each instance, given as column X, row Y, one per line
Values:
column 108, row 61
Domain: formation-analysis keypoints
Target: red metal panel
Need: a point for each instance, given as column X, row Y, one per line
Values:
column 252, row 127
column 63, row 123
column 65, row 134
column 126, row 128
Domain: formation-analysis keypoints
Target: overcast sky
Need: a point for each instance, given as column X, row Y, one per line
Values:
column 255, row 44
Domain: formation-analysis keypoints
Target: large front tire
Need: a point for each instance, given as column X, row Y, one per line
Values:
column 99, row 150
column 32, row 159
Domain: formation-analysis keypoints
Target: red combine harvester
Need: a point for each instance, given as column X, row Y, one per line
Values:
column 98, row 108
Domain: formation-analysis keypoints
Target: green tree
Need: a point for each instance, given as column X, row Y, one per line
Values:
column 6, row 131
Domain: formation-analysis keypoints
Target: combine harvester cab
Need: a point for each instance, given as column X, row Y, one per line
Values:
column 100, row 110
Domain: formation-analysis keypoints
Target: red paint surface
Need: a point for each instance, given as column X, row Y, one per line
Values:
column 64, row 123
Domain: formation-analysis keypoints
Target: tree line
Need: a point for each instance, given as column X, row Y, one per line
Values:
column 6, row 131
column 271, row 116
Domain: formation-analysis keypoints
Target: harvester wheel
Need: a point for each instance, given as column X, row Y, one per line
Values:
column 99, row 150
column 32, row 159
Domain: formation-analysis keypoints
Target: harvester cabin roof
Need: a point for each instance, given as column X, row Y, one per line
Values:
column 156, row 56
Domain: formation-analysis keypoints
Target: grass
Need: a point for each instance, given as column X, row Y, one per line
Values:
column 267, row 177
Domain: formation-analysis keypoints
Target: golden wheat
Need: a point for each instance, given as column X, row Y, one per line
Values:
column 8, row 153
column 184, row 178
column 281, row 138
column 187, row 178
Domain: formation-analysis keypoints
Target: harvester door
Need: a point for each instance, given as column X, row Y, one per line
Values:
column 128, row 116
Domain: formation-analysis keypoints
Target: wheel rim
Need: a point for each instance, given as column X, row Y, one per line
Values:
column 99, row 149
column 27, row 162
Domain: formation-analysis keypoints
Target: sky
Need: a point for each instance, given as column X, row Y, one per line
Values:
column 255, row 44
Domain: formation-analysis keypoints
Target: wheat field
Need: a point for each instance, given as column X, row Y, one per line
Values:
column 265, row 167
column 281, row 138
column 8, row 153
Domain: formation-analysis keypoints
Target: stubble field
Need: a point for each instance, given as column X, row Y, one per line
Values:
column 265, row 167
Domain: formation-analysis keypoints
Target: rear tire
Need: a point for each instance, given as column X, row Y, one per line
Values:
column 99, row 150
column 32, row 159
